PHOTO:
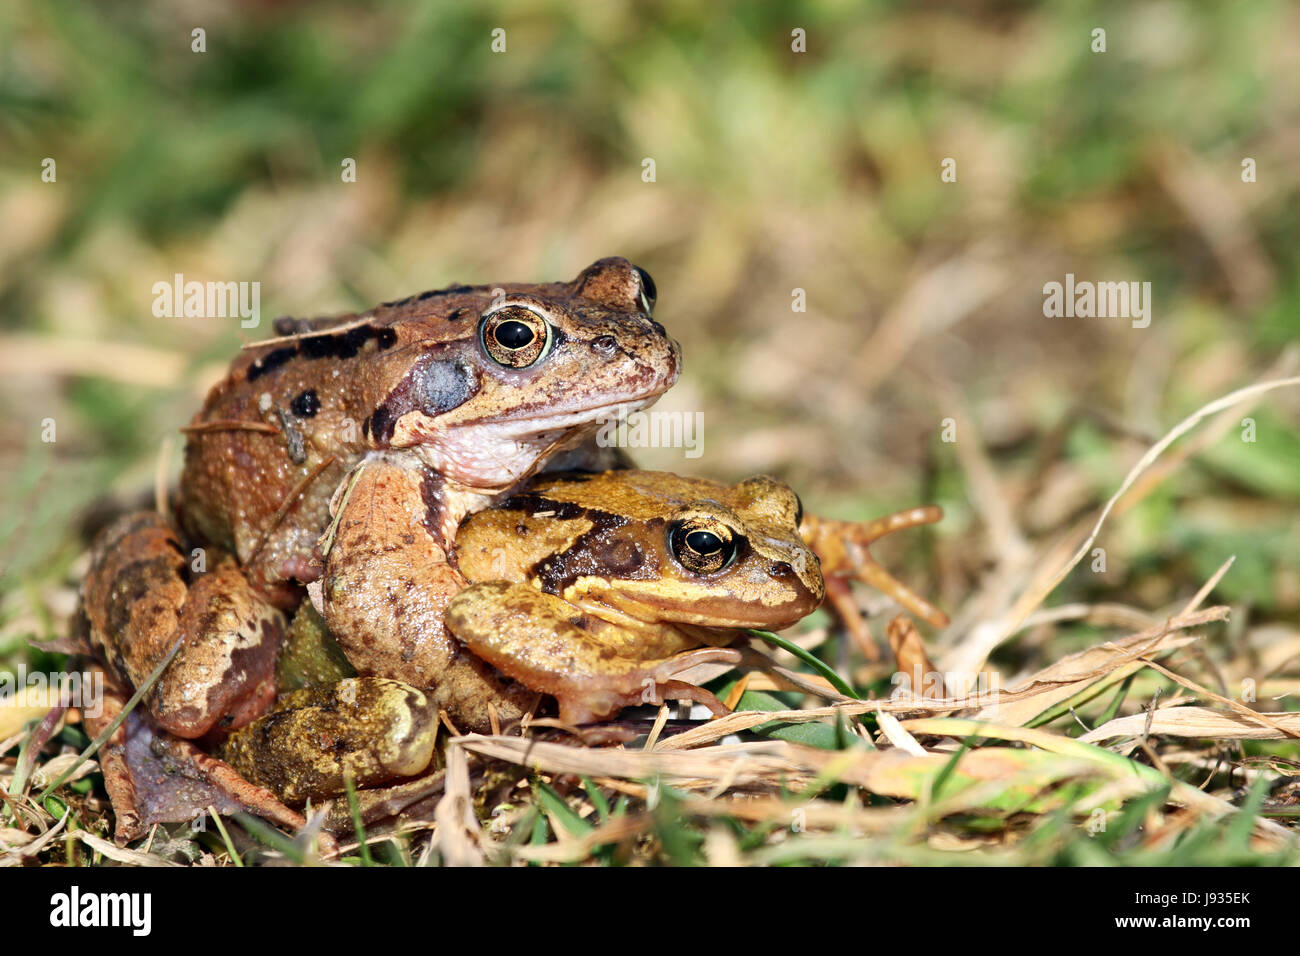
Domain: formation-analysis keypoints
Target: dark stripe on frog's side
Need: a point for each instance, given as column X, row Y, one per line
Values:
column 431, row 485
column 379, row 424
column 453, row 289
column 270, row 362
column 345, row 345
column 340, row 345
column 601, row 551
column 535, row 504
column 288, row 325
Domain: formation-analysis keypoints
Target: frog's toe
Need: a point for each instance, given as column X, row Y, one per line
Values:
column 154, row 777
column 843, row 549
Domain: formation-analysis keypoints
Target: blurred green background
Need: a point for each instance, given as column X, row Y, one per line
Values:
column 775, row 171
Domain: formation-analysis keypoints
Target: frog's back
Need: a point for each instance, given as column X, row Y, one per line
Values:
column 291, row 416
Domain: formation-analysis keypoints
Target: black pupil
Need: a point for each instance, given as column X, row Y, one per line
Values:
column 704, row 542
column 514, row 335
column 647, row 284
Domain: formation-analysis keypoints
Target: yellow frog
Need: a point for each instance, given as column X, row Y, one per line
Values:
column 593, row 585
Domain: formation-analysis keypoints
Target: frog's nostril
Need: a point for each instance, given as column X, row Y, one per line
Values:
column 605, row 345
column 781, row 569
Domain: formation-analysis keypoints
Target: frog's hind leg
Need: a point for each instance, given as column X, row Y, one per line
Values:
column 153, row 777
column 843, row 547
column 138, row 604
column 588, row 665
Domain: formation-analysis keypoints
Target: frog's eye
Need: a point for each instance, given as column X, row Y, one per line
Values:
column 647, row 290
column 515, row 337
column 701, row 547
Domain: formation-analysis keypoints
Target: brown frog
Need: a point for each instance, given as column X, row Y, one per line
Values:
column 440, row 400
column 595, row 589
column 398, row 422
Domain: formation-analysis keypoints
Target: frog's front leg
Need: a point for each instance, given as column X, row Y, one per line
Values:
column 843, row 548
column 138, row 605
column 386, row 586
column 589, row 665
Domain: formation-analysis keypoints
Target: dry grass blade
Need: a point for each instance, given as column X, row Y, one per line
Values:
column 577, row 849
column 969, row 657
column 17, row 856
column 1104, row 664
column 458, row 828
column 896, row 735
column 740, row 764
column 1179, row 793
column 1200, row 722
column 1240, row 708
column 120, row 854
column 1053, row 684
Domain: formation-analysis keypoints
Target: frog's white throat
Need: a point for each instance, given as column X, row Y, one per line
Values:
column 494, row 456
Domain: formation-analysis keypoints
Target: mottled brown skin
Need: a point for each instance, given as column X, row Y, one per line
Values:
column 140, row 599
column 426, row 389
column 369, row 729
column 843, row 547
column 386, row 587
column 155, row 777
column 401, row 418
column 592, row 592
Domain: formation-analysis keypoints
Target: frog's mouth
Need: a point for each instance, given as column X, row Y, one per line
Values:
column 591, row 417
column 718, row 613
column 494, row 455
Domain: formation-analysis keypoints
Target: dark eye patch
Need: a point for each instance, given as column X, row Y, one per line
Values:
column 620, row 555
column 441, row 386
column 432, row 388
